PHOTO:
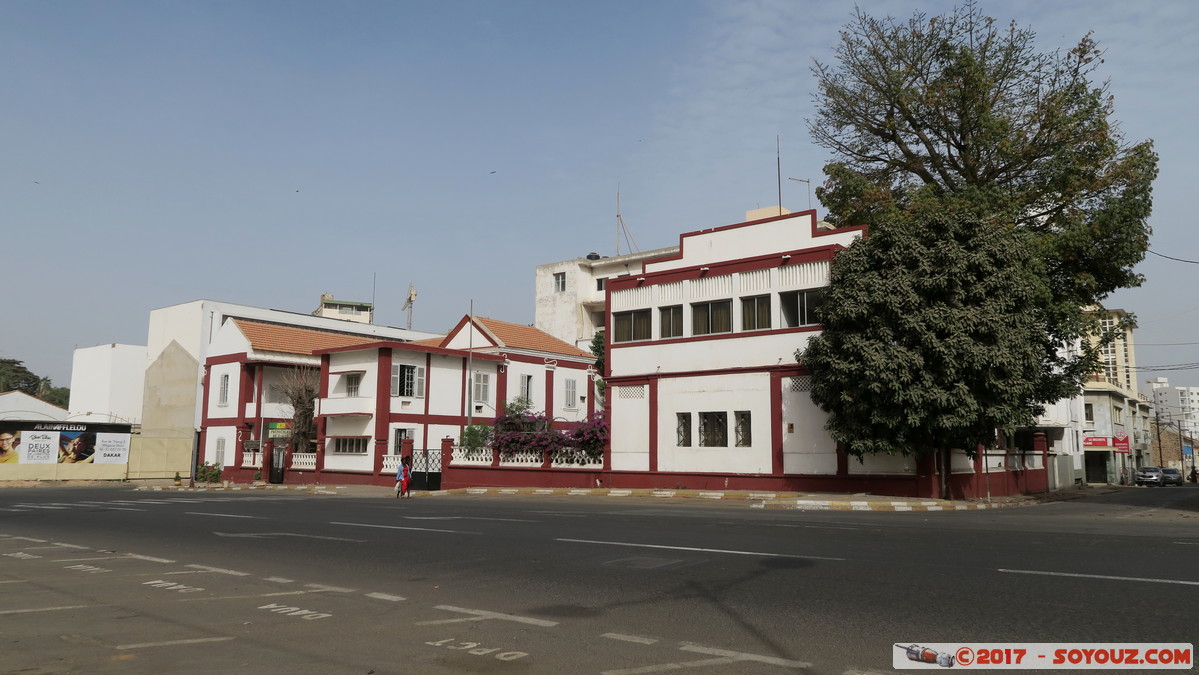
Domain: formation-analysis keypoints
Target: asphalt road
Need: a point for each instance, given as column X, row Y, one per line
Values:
column 105, row 579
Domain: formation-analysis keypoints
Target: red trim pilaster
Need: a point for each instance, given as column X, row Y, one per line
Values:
column 653, row 425
column 777, row 433
column 382, row 406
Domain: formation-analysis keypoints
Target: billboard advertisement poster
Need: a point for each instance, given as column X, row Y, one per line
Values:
column 38, row 447
column 112, row 449
column 33, row 442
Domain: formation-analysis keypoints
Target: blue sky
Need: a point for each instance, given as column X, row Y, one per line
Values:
column 264, row 153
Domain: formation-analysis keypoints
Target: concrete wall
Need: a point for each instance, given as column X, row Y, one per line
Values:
column 107, row 383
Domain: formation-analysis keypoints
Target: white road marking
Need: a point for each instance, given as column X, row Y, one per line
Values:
column 385, row 596
column 483, row 615
column 109, row 557
column 222, row 515
column 43, row 609
column 279, row 580
column 398, row 527
column 671, row 666
column 321, row 588
column 218, row 570
column 149, row 558
column 502, row 520
column 1103, row 576
column 269, row 535
column 1188, row 543
column 15, row 581
column 174, row 643
column 701, row 550
column 630, row 638
column 743, row 656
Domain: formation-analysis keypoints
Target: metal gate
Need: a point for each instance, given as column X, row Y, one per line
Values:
column 426, row 469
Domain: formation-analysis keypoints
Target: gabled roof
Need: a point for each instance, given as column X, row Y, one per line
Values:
column 517, row 336
column 269, row 337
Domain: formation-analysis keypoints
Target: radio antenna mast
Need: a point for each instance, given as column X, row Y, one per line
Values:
column 409, row 302
column 622, row 230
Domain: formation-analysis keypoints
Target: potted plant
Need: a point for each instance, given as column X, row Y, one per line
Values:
column 178, row 479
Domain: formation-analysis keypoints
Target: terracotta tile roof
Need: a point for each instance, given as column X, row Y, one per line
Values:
column 516, row 336
column 269, row 337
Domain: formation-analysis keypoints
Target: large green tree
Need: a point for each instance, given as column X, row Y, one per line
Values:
column 932, row 338
column 14, row 376
column 958, row 114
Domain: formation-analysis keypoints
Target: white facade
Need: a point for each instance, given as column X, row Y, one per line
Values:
column 107, row 383
column 19, row 406
column 1175, row 404
column 701, row 354
column 570, row 294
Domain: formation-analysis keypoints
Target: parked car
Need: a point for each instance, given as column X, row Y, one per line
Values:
column 1149, row 475
column 1171, row 477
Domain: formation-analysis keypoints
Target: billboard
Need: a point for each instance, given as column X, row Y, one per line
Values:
column 63, row 443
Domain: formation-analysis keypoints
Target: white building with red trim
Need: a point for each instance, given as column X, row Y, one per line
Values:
column 704, row 388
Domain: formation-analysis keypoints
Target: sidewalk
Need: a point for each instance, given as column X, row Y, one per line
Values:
column 754, row 500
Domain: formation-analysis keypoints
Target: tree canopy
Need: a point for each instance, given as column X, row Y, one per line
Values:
column 931, row 336
column 949, row 134
column 14, row 376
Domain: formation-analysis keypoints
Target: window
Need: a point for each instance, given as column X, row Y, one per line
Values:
column 350, row 446
column 482, row 387
column 683, row 429
column 571, row 394
column 559, row 282
column 755, row 313
column 275, row 394
column 713, row 430
column 219, row 455
column 742, row 429
column 353, row 382
column 1117, row 415
column 800, row 307
column 599, row 284
column 223, row 395
column 408, row 381
column 401, row 434
column 671, row 324
column 629, row 326
column 712, row 317
column 526, row 387
column 1089, row 412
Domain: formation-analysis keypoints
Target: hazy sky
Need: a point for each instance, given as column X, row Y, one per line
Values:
column 159, row 152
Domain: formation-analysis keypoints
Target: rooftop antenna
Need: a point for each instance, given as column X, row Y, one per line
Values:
column 623, row 230
column 778, row 168
column 409, row 302
column 809, row 182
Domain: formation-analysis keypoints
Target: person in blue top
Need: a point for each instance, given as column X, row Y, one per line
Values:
column 404, row 478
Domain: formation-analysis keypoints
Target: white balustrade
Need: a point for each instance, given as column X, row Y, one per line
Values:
column 303, row 461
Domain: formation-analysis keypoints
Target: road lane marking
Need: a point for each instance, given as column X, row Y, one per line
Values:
column 386, row 596
column 662, row 667
column 322, row 588
column 399, row 527
column 108, row 557
column 44, row 609
column 483, row 615
column 1103, row 576
column 218, row 570
column 1188, row 543
column 149, row 558
column 503, row 520
column 630, row 638
column 700, row 550
column 279, row 580
column 174, row 643
column 270, row 535
column 744, row 656
column 222, row 515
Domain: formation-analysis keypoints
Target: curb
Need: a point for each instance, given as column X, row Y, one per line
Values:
column 753, row 500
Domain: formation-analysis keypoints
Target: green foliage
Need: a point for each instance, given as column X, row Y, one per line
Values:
column 598, row 349
column 14, row 376
column 476, row 438
column 208, row 473
column 957, row 116
column 932, row 337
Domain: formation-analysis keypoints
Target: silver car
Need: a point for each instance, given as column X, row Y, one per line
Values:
column 1149, row 475
column 1171, row 477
